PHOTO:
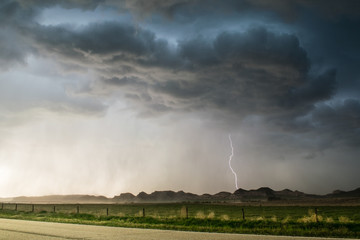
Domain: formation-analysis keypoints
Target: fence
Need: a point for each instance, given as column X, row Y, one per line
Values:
column 218, row 211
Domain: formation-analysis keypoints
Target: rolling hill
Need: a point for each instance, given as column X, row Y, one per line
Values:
column 262, row 195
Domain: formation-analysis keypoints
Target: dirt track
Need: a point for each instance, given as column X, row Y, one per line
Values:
column 30, row 230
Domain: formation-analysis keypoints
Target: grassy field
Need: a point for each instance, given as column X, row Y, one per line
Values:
column 330, row 221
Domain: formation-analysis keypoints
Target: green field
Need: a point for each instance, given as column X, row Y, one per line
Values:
column 330, row 221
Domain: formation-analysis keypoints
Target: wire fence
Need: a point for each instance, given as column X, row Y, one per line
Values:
column 210, row 211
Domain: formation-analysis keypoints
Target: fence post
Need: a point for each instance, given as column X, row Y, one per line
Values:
column 78, row 209
column 316, row 215
column 243, row 213
column 2, row 206
column 32, row 208
column 187, row 212
column 107, row 211
column 54, row 209
column 143, row 212
column 16, row 207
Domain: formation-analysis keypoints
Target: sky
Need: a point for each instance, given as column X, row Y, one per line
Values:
column 103, row 97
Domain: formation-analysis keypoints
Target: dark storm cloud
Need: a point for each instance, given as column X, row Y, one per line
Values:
column 334, row 43
column 108, row 42
column 102, row 39
column 11, row 13
column 256, row 46
column 253, row 71
column 331, row 125
column 287, row 10
column 320, row 88
column 243, row 73
column 341, row 122
column 13, row 46
column 192, row 8
column 83, row 4
column 250, row 72
column 236, row 72
column 290, row 10
column 144, row 8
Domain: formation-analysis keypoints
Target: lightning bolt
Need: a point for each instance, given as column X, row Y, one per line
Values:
column 230, row 158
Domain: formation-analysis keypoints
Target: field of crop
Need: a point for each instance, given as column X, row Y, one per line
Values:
column 339, row 221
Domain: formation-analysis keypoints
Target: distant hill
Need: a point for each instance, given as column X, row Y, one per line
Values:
column 60, row 199
column 158, row 196
column 262, row 195
column 342, row 194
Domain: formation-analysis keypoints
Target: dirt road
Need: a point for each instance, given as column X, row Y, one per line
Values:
column 30, row 230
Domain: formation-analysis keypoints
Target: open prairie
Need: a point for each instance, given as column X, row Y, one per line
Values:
column 320, row 221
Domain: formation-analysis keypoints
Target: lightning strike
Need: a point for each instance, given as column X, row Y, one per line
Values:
column 230, row 158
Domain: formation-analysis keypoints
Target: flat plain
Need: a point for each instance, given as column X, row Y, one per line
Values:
column 310, row 221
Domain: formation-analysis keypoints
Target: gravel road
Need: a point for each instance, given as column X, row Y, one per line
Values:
column 30, row 230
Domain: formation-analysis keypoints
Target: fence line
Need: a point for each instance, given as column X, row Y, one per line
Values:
column 226, row 212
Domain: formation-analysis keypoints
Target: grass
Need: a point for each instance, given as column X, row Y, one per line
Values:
column 332, row 221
